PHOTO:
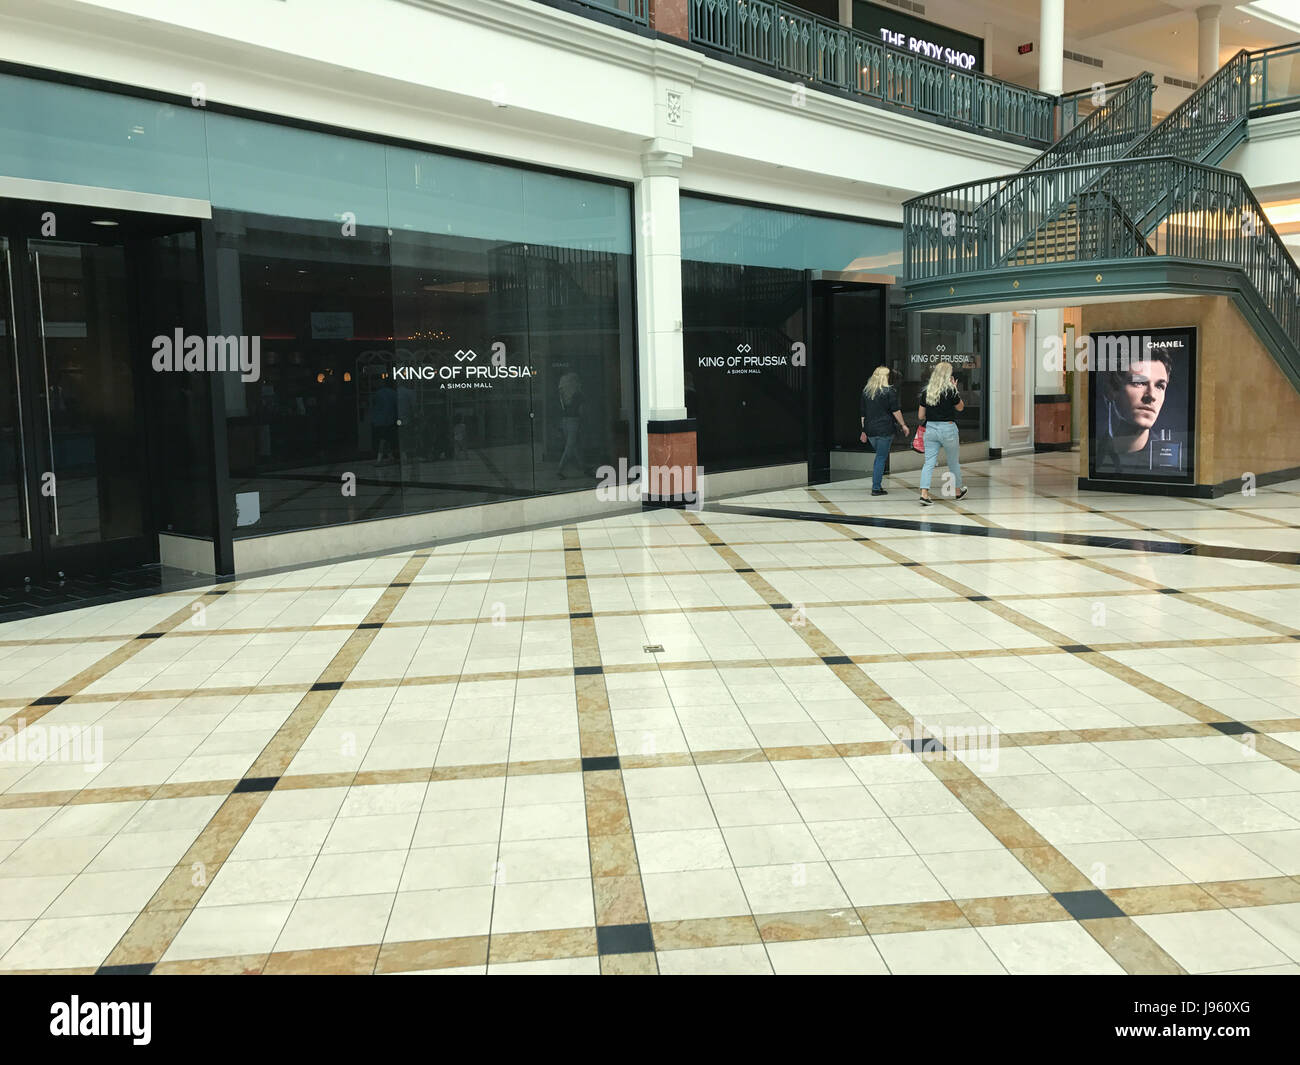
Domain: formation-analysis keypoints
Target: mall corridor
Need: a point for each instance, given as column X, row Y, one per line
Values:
column 801, row 731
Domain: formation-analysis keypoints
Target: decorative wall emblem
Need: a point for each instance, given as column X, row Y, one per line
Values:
column 674, row 108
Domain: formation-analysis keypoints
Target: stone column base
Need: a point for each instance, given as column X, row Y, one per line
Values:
column 672, row 470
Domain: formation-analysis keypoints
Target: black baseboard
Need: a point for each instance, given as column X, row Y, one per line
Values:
column 681, row 425
column 1065, row 445
column 995, row 452
column 678, row 502
column 1148, row 488
column 1189, row 491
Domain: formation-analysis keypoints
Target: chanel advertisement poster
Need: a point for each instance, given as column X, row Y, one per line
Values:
column 1142, row 403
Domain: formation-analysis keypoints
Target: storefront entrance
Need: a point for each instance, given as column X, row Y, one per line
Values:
column 79, row 300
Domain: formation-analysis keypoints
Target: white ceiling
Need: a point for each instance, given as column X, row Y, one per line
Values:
column 1128, row 35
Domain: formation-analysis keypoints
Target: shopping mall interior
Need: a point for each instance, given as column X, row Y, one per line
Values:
column 670, row 487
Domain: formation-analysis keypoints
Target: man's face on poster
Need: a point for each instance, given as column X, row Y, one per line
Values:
column 1140, row 393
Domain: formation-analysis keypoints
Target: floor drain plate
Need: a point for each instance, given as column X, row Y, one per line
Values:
column 654, row 648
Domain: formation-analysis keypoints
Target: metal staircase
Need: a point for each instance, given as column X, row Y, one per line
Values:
column 1101, row 213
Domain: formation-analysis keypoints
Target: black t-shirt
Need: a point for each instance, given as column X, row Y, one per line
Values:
column 945, row 410
column 878, row 411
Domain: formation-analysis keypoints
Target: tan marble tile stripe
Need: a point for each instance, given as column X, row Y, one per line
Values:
column 1194, row 708
column 859, row 749
column 1074, row 504
column 153, row 930
column 615, row 869
column 739, row 929
column 1126, row 942
column 1208, row 505
column 1109, row 593
column 128, row 650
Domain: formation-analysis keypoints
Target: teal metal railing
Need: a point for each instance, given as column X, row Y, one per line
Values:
column 1074, row 107
column 633, row 10
column 1275, row 78
column 808, row 47
column 1117, row 120
column 1107, row 212
column 1206, row 125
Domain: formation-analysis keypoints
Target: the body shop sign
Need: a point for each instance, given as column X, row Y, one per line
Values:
column 927, row 39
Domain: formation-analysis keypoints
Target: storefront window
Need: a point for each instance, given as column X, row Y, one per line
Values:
column 917, row 341
column 476, row 346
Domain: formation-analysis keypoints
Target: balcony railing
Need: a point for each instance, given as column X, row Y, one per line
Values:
column 637, row 11
column 1275, row 78
column 1078, row 105
column 804, row 46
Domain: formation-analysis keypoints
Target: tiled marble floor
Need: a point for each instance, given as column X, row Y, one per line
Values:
column 862, row 748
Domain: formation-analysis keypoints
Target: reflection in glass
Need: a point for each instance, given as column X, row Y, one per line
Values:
column 15, row 535
column 87, row 390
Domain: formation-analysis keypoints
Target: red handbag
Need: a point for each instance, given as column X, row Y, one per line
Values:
column 918, row 440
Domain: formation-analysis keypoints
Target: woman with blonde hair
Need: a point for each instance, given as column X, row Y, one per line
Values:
column 878, row 410
column 939, row 407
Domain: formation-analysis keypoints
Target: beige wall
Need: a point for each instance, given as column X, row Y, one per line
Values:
column 1247, row 412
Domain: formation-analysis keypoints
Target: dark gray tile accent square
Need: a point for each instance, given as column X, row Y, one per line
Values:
column 597, row 764
column 327, row 686
column 140, row 969
column 49, row 700
column 1076, row 648
column 1088, row 905
column 1232, row 728
column 837, row 660
column 256, row 784
column 624, row 939
column 585, row 671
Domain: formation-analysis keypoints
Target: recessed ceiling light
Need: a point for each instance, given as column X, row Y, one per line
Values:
column 102, row 222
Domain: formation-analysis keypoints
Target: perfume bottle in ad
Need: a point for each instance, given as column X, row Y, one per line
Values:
column 1166, row 452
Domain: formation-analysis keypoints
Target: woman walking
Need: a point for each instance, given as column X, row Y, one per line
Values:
column 940, row 405
column 879, row 413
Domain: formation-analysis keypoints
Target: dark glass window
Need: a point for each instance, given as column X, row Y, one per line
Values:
column 437, row 370
column 750, row 413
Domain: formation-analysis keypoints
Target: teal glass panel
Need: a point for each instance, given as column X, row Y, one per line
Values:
column 293, row 173
column 449, row 195
column 65, row 133
column 756, row 236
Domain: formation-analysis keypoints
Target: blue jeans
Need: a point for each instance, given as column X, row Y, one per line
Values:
column 880, row 444
column 941, row 435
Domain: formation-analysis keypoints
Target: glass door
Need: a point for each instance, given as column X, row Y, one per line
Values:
column 73, row 493
column 85, row 390
column 16, row 541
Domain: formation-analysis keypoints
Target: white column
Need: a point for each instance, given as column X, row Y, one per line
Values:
column 846, row 12
column 988, row 48
column 659, row 286
column 1051, row 42
column 1207, row 40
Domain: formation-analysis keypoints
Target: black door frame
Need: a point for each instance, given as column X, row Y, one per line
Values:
column 21, row 223
column 820, row 286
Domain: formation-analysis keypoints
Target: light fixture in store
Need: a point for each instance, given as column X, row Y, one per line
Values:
column 102, row 222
